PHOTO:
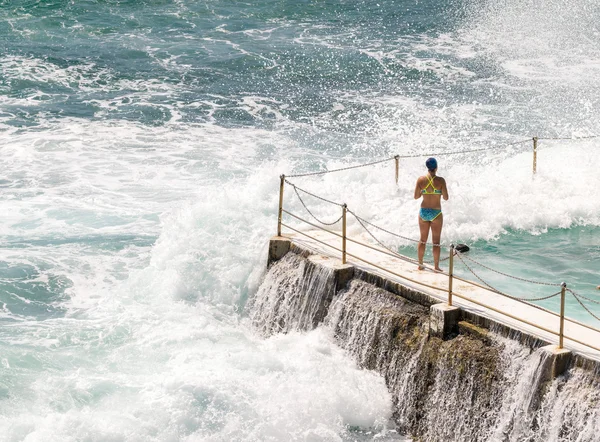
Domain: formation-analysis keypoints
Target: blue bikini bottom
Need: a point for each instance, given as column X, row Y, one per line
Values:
column 429, row 214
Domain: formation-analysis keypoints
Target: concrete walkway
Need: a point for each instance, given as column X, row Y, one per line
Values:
column 403, row 272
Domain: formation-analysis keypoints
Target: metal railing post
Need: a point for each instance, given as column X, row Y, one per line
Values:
column 397, row 158
column 282, row 178
column 450, row 273
column 562, row 314
column 535, row 141
column 344, row 210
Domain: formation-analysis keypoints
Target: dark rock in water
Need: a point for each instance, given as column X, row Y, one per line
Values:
column 462, row 248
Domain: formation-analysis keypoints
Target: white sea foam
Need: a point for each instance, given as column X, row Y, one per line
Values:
column 487, row 194
column 198, row 378
column 165, row 354
column 42, row 71
column 160, row 232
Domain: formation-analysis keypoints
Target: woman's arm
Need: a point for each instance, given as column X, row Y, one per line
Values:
column 417, row 189
column 444, row 190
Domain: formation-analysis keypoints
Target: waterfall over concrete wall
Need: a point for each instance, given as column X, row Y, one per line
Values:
column 479, row 386
column 294, row 295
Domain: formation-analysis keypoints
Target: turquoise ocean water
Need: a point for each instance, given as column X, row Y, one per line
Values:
column 141, row 144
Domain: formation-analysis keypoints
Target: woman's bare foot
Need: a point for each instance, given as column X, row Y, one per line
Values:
column 438, row 270
column 421, row 267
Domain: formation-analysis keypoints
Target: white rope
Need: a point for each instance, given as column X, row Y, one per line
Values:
column 516, row 298
column 512, row 276
column 340, row 169
column 576, row 296
column 392, row 233
column 312, row 214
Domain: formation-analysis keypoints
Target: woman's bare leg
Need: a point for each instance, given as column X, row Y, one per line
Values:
column 424, row 228
column 436, row 236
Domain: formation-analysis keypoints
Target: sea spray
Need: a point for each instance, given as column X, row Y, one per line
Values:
column 147, row 148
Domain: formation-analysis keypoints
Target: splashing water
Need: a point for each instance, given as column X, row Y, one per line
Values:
column 141, row 145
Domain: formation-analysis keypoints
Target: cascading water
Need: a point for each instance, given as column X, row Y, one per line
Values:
column 140, row 148
column 479, row 386
column 294, row 295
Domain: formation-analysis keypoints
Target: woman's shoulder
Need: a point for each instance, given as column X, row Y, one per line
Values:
column 435, row 178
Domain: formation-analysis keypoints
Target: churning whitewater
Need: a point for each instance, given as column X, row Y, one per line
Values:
column 478, row 386
column 141, row 147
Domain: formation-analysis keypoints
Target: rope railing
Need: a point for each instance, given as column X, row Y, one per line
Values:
column 569, row 138
column 312, row 214
column 363, row 223
column 384, row 249
column 507, row 275
column 578, row 299
column 394, row 253
column 434, row 154
column 495, row 290
column 360, row 220
column 391, row 233
column 298, row 175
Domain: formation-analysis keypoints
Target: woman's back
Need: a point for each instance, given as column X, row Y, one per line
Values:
column 431, row 189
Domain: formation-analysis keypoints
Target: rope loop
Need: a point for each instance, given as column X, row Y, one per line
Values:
column 398, row 255
column 595, row 301
column 397, row 157
column 577, row 298
column 296, row 189
column 392, row 233
column 395, row 253
column 511, row 276
column 483, row 149
column 495, row 290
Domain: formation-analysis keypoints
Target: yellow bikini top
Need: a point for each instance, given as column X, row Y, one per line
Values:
column 430, row 183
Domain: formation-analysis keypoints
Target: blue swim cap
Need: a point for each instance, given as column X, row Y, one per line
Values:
column 431, row 163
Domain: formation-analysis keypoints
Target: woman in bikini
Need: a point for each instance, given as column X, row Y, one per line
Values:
column 432, row 188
